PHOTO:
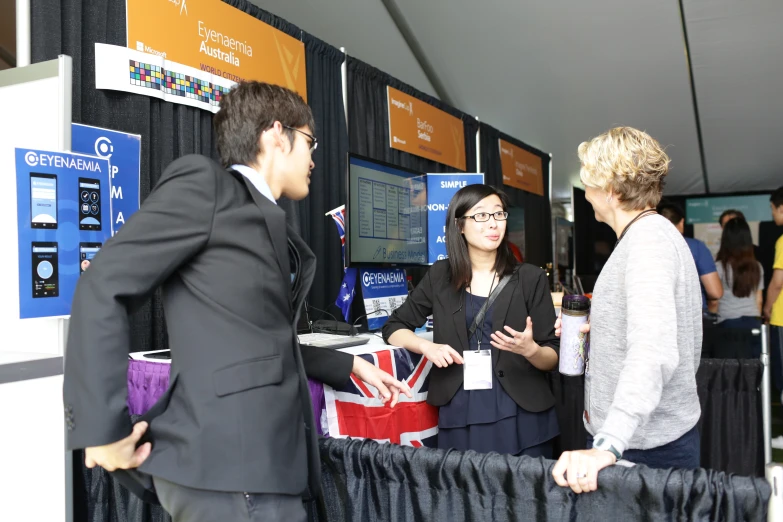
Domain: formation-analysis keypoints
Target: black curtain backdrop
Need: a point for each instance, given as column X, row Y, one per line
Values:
column 169, row 130
column 537, row 209
column 368, row 482
column 593, row 241
column 364, row 481
column 730, row 426
column 368, row 119
column 327, row 187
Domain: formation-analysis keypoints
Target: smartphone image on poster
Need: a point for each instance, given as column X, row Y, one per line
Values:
column 46, row 277
column 89, row 204
column 86, row 252
column 43, row 200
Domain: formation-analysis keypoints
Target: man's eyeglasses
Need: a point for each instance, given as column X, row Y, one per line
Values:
column 481, row 217
column 313, row 139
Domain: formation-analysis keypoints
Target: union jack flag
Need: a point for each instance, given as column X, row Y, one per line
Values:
column 354, row 411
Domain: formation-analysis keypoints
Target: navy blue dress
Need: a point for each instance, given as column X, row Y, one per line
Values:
column 490, row 420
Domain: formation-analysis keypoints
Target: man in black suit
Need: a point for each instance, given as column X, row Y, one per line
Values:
column 237, row 415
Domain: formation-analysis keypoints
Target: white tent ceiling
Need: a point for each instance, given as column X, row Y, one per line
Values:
column 556, row 73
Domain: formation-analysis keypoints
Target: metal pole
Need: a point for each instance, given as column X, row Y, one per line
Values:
column 555, row 268
column 62, row 334
column 478, row 149
column 766, row 401
column 344, row 73
column 23, row 33
column 774, row 474
column 418, row 52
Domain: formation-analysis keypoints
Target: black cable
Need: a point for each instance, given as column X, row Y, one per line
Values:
column 311, row 307
column 377, row 310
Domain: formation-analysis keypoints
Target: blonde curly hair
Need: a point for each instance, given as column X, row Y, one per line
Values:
column 628, row 162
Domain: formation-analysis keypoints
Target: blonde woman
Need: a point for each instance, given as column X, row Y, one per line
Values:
column 646, row 328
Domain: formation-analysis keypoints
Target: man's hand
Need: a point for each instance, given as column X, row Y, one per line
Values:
column 581, row 469
column 122, row 454
column 380, row 380
column 585, row 328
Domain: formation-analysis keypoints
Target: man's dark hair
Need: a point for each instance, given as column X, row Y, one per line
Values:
column 777, row 197
column 731, row 212
column 671, row 212
column 249, row 109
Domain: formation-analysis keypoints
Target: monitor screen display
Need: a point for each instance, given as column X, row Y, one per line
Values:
column 386, row 214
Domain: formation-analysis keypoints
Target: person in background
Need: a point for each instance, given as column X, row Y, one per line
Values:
column 742, row 278
column 728, row 215
column 517, row 415
column 645, row 323
column 773, row 307
column 711, row 287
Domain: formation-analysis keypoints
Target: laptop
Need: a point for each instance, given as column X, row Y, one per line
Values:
column 307, row 337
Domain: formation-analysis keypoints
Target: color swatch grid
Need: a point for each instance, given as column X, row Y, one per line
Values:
column 177, row 84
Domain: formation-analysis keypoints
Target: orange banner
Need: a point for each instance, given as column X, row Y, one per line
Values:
column 521, row 169
column 421, row 129
column 214, row 37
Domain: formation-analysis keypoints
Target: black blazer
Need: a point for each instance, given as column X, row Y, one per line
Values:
column 237, row 414
column 527, row 293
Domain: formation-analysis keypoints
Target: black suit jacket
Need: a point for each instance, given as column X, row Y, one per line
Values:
column 237, row 414
column 526, row 294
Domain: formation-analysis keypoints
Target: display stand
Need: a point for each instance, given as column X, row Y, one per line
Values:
column 31, row 363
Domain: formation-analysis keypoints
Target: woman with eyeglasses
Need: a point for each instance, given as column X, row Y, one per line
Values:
column 494, row 337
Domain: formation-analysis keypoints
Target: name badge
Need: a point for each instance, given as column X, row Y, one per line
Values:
column 477, row 368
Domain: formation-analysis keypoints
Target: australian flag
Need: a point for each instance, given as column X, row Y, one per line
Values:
column 355, row 411
column 348, row 286
column 338, row 215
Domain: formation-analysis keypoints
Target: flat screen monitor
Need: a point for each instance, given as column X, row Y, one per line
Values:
column 386, row 214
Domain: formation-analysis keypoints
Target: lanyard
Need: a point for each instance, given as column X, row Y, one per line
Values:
column 480, row 330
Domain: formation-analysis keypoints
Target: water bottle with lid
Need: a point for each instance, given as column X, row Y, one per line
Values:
column 574, row 345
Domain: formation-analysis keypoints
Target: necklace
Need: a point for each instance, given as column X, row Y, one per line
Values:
column 647, row 212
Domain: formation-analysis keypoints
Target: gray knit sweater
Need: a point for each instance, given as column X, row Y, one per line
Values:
column 645, row 340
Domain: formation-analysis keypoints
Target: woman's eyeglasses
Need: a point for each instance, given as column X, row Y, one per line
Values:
column 481, row 217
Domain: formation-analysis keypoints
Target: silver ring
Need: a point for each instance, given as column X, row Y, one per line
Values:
column 581, row 475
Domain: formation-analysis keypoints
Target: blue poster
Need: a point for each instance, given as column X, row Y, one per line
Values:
column 123, row 151
column 440, row 189
column 63, row 218
column 383, row 291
